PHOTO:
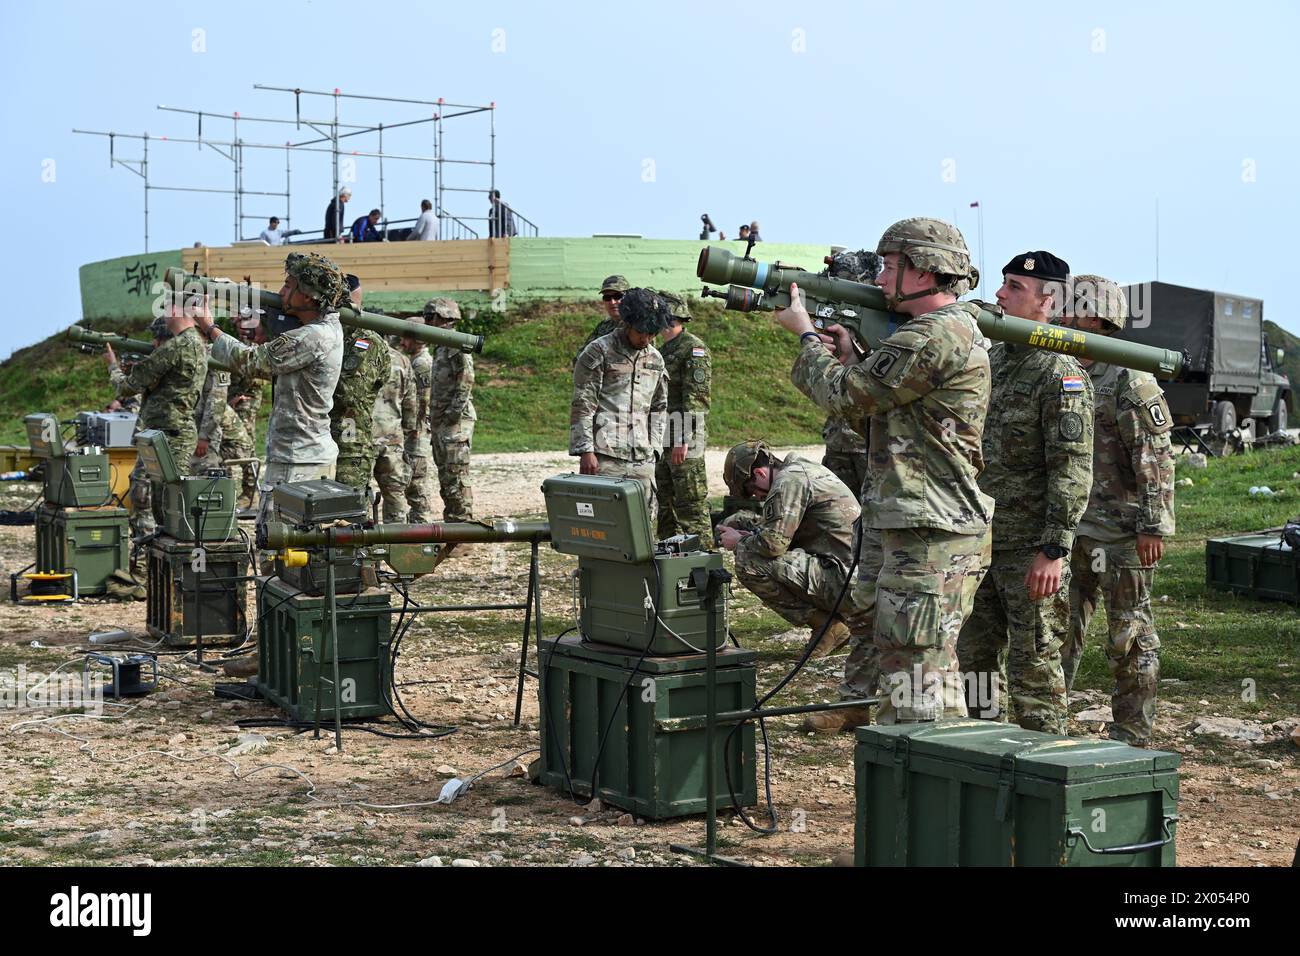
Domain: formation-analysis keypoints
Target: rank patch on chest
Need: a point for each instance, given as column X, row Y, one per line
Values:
column 362, row 344
column 1072, row 383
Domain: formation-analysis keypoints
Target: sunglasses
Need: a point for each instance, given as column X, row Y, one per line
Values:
column 614, row 297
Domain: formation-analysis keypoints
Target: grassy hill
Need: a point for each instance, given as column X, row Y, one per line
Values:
column 1280, row 338
column 524, row 378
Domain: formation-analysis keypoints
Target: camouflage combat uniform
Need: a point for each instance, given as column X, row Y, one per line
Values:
column 846, row 453
column 208, row 415
column 305, row 363
column 451, row 427
column 235, row 440
column 394, row 421
column 366, row 362
column 419, row 449
column 1132, row 493
column 1038, row 468
column 169, row 381
column 603, row 328
column 683, row 489
column 620, row 396
column 798, row 558
column 926, row 390
column 251, row 390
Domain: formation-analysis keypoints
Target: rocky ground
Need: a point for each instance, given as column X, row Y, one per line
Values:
column 174, row 778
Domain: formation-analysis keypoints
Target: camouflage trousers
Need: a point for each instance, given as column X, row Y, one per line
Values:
column 392, row 474
column 848, row 468
column 249, row 421
column 1113, row 570
column 642, row 471
column 683, row 492
column 925, row 591
column 419, row 491
column 452, row 459
column 1005, row 624
column 355, row 470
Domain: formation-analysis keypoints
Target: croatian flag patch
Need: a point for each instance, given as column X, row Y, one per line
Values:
column 362, row 344
column 1071, row 383
column 698, row 353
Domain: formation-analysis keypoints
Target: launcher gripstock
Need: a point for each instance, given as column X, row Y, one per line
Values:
column 93, row 342
column 186, row 282
column 754, row 286
column 406, row 548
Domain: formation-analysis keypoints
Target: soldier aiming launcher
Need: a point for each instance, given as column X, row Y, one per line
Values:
column 758, row 286
column 185, row 282
column 93, row 343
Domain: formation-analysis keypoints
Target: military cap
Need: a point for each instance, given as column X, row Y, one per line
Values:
column 614, row 284
column 645, row 311
column 1038, row 265
column 676, row 306
column 318, row 277
column 1100, row 298
column 442, row 308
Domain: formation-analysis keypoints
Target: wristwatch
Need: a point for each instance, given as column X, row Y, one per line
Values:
column 1054, row 551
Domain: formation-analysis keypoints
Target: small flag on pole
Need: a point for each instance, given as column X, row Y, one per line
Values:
column 974, row 205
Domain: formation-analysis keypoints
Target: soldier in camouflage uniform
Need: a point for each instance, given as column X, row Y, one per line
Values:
column 169, row 381
column 394, row 425
column 620, row 396
column 452, row 417
column 846, row 453
column 367, row 362
column 1038, row 468
column 681, row 481
column 1130, row 513
column 926, row 390
column 611, row 292
column 305, row 362
column 796, row 556
column 208, row 415
column 245, row 397
column 419, row 450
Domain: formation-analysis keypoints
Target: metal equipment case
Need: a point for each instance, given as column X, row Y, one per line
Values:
column 182, row 601
column 213, row 494
column 294, row 652
column 312, row 504
column 650, row 765
column 980, row 793
column 1257, row 565
column 94, row 542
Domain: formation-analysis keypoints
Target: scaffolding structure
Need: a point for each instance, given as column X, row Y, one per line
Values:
column 328, row 134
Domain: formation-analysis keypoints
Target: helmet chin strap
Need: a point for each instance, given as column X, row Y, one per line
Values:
column 898, row 283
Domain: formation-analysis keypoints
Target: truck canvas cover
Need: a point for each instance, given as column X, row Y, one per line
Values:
column 1219, row 331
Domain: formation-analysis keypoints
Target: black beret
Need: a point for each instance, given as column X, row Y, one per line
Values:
column 644, row 311
column 1038, row 265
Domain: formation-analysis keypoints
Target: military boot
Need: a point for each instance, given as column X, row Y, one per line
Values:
column 836, row 721
column 836, row 636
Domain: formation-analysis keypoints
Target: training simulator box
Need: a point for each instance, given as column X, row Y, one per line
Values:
column 313, row 504
column 73, row 479
column 106, row 429
column 195, row 507
column 632, row 591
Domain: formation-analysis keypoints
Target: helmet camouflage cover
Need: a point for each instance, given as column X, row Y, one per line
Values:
column 1100, row 298
column 677, row 306
column 741, row 462
column 644, row 310
column 442, row 308
column 933, row 245
column 318, row 277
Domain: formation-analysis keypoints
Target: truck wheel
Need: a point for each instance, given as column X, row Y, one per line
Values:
column 1225, row 419
column 1277, row 421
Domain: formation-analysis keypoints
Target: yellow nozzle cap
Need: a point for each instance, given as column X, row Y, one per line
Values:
column 294, row 558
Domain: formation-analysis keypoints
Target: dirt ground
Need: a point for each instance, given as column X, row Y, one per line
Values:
column 164, row 780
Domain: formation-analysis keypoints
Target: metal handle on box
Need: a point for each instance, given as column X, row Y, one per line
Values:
column 1075, row 834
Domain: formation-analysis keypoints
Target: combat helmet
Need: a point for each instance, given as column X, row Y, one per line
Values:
column 1099, row 297
column 677, row 306
column 318, row 277
column 441, row 310
column 741, row 462
column 931, row 245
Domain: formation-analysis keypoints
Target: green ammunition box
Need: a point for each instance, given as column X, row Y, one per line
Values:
column 1257, row 565
column 613, row 598
column 182, row 600
column 312, row 504
column 215, row 497
column 980, row 793
column 599, row 709
column 79, row 481
column 294, row 650
column 94, row 542
column 595, row 517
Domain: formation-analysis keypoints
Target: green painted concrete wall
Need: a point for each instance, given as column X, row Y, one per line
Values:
column 122, row 288
column 563, row 269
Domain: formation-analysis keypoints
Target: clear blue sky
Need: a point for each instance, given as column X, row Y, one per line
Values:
column 1066, row 121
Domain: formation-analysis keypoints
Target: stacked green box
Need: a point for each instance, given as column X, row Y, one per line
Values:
column 94, row 542
column 294, row 649
column 183, row 601
column 644, row 767
column 980, row 793
column 1257, row 565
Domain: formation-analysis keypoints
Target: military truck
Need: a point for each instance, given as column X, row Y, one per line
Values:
column 1229, row 388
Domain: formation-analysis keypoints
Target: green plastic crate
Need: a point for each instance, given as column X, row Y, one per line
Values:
column 644, row 768
column 981, row 793
column 94, row 542
column 79, row 481
column 216, row 498
column 293, row 645
column 1257, row 565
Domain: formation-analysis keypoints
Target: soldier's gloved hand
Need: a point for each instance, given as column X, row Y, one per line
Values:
column 1044, row 577
column 1151, row 548
column 587, row 464
column 679, row 454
